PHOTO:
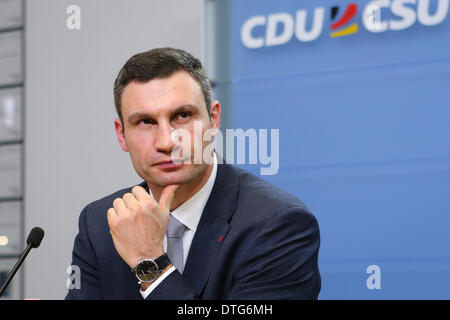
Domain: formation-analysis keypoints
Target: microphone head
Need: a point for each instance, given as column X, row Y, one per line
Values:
column 35, row 237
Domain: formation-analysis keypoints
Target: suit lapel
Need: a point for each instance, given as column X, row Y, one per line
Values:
column 212, row 228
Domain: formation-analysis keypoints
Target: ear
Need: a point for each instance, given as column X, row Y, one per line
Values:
column 120, row 135
column 214, row 112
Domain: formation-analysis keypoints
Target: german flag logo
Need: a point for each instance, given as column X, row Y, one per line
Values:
column 344, row 20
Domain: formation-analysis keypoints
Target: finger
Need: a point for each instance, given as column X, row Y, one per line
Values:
column 111, row 213
column 141, row 194
column 129, row 200
column 167, row 197
column 111, row 216
column 119, row 206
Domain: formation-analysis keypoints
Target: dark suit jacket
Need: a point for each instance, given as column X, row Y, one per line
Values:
column 253, row 241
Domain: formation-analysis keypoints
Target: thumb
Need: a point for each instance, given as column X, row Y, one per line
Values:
column 167, row 197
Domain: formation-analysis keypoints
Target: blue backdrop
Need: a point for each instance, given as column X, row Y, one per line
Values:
column 364, row 131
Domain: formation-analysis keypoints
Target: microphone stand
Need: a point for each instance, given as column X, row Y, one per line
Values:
column 16, row 267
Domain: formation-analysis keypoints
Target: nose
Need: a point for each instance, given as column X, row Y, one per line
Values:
column 164, row 141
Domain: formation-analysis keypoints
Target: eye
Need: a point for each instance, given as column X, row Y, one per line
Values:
column 183, row 115
column 145, row 122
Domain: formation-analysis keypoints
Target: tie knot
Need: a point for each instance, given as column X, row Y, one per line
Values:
column 175, row 229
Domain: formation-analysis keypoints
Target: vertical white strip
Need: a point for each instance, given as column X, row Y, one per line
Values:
column 209, row 44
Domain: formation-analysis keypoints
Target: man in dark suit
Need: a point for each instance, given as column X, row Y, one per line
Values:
column 193, row 229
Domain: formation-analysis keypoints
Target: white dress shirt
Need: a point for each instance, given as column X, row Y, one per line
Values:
column 188, row 213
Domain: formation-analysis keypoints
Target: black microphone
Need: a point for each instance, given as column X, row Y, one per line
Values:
column 33, row 241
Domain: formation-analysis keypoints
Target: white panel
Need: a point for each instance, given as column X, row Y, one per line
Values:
column 10, row 114
column 10, row 225
column 10, row 58
column 10, row 171
column 10, row 14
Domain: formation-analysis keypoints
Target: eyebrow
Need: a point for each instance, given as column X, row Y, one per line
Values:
column 139, row 115
column 145, row 115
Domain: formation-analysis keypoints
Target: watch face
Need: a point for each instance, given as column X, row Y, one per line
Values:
column 147, row 271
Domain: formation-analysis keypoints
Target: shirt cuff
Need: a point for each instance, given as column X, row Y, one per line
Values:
column 156, row 283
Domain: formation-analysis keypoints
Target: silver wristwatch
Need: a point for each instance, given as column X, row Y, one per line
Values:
column 148, row 270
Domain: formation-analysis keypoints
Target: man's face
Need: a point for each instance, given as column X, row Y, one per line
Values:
column 152, row 112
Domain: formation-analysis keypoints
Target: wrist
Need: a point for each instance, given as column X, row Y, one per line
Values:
column 137, row 259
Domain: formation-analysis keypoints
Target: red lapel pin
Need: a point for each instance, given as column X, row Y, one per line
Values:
column 220, row 239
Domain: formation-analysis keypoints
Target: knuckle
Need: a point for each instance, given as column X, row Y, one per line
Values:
column 136, row 188
column 148, row 205
column 134, row 208
column 127, row 195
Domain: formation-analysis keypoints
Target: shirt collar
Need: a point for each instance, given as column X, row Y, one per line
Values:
column 190, row 212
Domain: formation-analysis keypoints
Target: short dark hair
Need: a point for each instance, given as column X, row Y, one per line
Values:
column 160, row 63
